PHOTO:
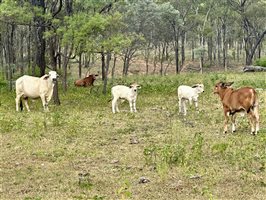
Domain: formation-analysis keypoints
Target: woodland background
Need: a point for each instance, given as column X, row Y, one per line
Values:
column 107, row 36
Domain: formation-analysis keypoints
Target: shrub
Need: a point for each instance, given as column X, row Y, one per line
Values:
column 261, row 62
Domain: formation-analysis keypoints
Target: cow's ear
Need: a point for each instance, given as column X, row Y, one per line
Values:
column 45, row 77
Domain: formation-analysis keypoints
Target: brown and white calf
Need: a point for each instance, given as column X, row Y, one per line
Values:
column 87, row 81
column 241, row 100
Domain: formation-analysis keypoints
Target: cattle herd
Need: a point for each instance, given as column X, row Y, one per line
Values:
column 244, row 99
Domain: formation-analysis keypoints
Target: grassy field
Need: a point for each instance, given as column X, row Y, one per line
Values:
column 80, row 150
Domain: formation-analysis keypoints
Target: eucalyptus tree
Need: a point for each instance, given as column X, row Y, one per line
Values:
column 141, row 17
column 252, row 18
column 95, row 33
column 12, row 15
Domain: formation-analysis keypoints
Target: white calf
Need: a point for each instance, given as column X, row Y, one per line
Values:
column 124, row 92
column 34, row 87
column 187, row 93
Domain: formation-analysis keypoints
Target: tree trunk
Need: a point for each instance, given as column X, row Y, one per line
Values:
column 103, row 65
column 53, row 59
column 192, row 49
column 29, row 49
column 40, row 40
column 210, row 50
column 11, row 54
column 80, row 65
column 108, row 59
column 176, row 49
column 183, row 37
column 224, row 47
column 114, row 65
column 147, row 57
column 219, row 46
column 66, row 56
column 21, row 51
column 2, row 56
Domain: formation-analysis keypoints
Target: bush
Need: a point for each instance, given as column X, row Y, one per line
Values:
column 261, row 62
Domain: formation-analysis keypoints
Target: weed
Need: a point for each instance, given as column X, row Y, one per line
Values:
column 124, row 191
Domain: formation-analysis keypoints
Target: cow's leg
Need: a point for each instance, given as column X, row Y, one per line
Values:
column 115, row 105
column 44, row 103
column 252, row 121
column 233, row 119
column 226, row 119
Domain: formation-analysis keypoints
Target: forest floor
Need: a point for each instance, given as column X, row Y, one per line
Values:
column 81, row 150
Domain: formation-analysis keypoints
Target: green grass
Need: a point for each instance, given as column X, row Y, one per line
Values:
column 42, row 154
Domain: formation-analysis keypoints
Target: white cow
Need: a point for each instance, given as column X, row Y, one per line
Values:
column 187, row 93
column 35, row 87
column 123, row 92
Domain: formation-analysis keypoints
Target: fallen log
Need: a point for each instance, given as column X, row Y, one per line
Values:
column 252, row 68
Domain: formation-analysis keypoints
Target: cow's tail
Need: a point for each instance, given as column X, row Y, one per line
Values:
column 20, row 104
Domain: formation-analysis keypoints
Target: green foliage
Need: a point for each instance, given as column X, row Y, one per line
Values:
column 124, row 191
column 261, row 62
column 196, row 149
column 94, row 33
column 165, row 155
column 15, row 11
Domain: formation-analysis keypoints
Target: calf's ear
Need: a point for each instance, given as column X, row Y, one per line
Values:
column 229, row 83
column 46, row 76
column 194, row 86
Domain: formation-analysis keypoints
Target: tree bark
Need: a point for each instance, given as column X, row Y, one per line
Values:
column 39, row 36
column 183, row 58
column 224, row 47
column 108, row 59
column 114, row 66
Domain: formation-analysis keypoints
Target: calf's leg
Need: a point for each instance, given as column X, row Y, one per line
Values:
column 226, row 119
column 184, row 107
column 134, row 106
column 233, row 119
column 114, row 105
column 252, row 122
column 257, row 118
column 180, row 105
column 131, row 105
column 26, row 104
column 18, row 99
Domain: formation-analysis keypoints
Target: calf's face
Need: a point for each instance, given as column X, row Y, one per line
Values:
column 200, row 87
column 53, row 75
column 134, row 87
column 221, row 85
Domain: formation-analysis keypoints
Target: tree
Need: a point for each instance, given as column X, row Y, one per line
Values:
column 252, row 24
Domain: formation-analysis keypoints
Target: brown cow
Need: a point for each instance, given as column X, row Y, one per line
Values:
column 87, row 81
column 243, row 99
